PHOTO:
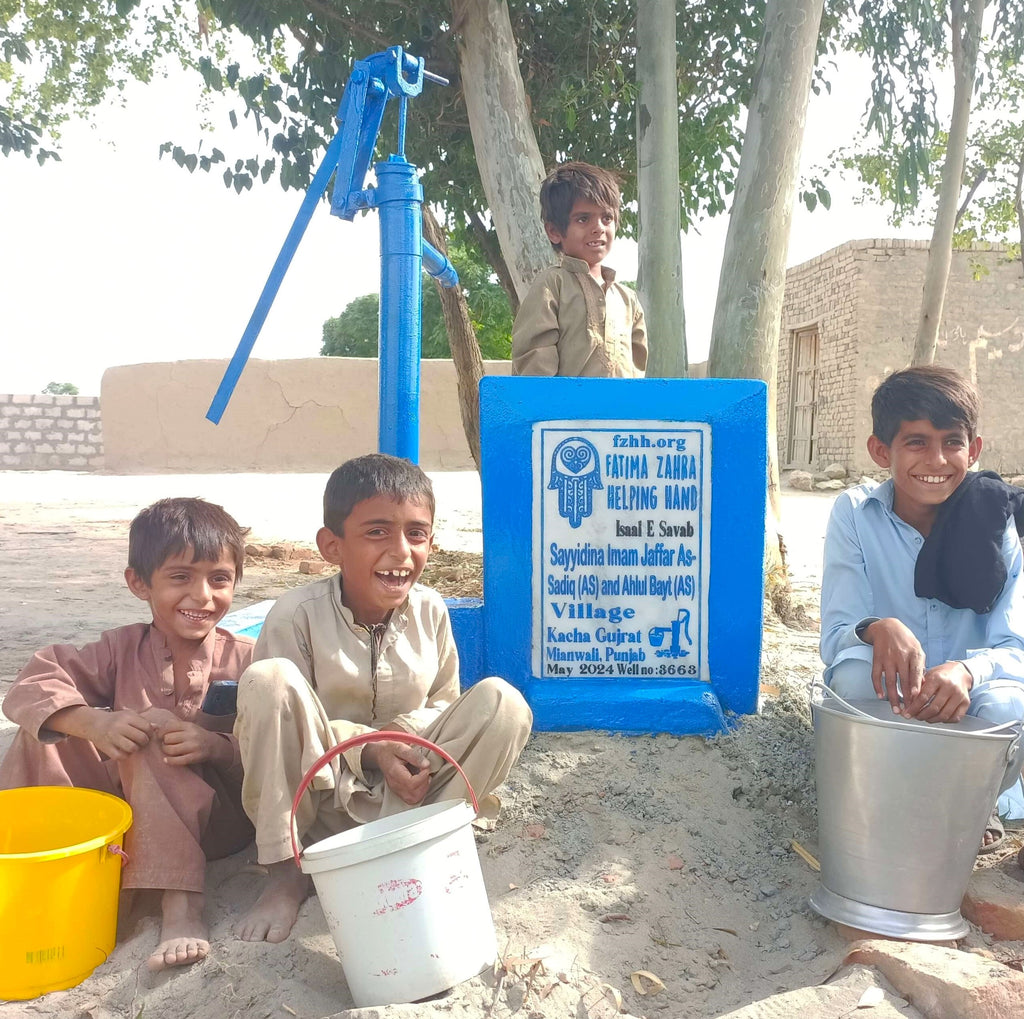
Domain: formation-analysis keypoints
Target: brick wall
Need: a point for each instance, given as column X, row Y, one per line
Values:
column 822, row 292
column 44, row 432
column 865, row 298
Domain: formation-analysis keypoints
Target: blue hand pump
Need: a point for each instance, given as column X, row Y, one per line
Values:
column 404, row 254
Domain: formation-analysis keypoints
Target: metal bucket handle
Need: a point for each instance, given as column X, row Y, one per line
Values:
column 1013, row 751
column 863, row 714
column 1014, row 758
column 374, row 736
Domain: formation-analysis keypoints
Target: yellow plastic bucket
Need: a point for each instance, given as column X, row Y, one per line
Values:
column 60, row 870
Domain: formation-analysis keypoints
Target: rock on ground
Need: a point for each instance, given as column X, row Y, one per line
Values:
column 995, row 900
column 853, row 989
column 944, row 983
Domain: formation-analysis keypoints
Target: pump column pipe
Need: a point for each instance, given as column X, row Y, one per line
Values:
column 399, row 199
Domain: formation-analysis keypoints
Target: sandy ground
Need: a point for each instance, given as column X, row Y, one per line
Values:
column 612, row 854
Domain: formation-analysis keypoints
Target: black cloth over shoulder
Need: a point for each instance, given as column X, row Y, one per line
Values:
column 960, row 561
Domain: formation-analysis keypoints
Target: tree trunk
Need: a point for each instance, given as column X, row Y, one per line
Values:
column 511, row 167
column 469, row 366
column 966, row 19
column 1018, row 205
column 748, row 310
column 660, row 276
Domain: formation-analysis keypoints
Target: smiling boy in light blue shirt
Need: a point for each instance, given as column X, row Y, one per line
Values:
column 883, row 630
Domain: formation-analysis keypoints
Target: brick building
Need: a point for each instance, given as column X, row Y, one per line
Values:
column 849, row 319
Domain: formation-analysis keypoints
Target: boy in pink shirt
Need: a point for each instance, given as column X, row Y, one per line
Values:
column 122, row 715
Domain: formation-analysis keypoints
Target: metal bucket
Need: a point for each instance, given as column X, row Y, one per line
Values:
column 902, row 807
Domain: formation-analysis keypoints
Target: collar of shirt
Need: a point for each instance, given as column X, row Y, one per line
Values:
column 396, row 622
column 883, row 493
column 199, row 661
column 199, row 665
column 579, row 266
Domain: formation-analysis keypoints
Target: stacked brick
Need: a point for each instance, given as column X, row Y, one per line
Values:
column 40, row 432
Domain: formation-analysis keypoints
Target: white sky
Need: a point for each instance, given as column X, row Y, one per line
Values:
column 114, row 256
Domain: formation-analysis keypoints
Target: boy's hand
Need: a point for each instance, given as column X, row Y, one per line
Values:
column 118, row 734
column 186, row 743
column 159, row 718
column 898, row 655
column 405, row 770
column 944, row 695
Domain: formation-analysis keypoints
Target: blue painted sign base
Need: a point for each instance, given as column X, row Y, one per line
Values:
column 623, row 527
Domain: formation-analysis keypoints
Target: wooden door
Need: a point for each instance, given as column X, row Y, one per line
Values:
column 803, row 389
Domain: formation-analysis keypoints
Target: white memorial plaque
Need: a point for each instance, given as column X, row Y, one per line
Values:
column 621, row 519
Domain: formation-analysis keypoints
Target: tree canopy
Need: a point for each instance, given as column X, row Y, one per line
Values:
column 61, row 389
column 60, row 60
column 993, row 175
column 576, row 58
column 354, row 332
column 902, row 145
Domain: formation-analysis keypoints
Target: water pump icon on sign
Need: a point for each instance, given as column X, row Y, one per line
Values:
column 680, row 628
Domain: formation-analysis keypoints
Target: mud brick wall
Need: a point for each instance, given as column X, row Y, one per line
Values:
column 822, row 292
column 40, row 432
column 865, row 298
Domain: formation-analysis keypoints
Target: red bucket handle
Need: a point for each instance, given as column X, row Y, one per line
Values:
column 375, row 736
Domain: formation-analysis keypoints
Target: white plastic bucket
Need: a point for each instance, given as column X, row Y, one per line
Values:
column 403, row 896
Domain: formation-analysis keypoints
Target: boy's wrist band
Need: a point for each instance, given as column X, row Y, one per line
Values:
column 862, row 627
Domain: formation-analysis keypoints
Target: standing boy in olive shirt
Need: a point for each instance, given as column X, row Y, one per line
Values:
column 575, row 319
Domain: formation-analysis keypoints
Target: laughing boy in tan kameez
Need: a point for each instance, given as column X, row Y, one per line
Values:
column 575, row 319
column 366, row 649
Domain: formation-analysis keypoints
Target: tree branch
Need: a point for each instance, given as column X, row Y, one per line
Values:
column 979, row 179
column 353, row 27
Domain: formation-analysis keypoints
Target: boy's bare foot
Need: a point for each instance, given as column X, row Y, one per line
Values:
column 277, row 908
column 183, row 933
column 994, row 835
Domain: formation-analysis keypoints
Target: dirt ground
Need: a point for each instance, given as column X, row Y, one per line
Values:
column 613, row 854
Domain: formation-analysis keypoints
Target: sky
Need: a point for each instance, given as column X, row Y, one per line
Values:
column 114, row 256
